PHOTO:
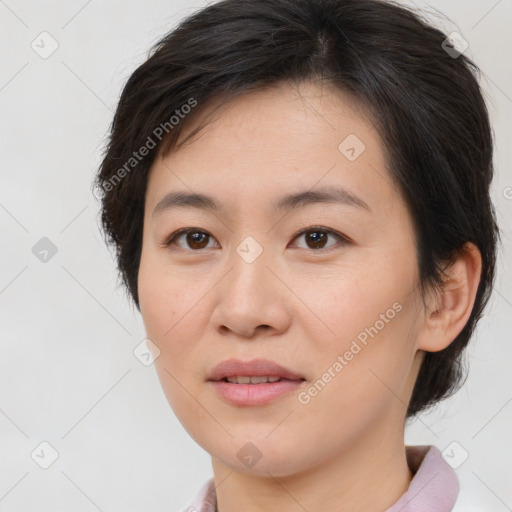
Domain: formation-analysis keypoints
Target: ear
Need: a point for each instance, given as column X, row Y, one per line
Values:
column 449, row 310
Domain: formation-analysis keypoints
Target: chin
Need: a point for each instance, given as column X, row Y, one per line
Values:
column 262, row 457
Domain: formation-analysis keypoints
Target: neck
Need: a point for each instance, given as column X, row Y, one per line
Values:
column 369, row 476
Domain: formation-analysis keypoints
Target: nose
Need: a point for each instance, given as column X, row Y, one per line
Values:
column 251, row 299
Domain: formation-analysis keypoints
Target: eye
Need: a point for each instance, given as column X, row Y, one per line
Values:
column 316, row 237
column 195, row 238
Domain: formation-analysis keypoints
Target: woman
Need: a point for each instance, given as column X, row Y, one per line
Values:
column 298, row 192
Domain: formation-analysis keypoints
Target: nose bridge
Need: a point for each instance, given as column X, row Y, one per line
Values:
column 249, row 294
column 249, row 274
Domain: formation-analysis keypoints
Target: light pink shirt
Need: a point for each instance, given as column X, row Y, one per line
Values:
column 433, row 488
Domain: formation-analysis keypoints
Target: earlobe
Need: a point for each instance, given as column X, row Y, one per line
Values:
column 450, row 309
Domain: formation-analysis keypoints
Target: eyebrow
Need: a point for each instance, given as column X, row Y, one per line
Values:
column 332, row 195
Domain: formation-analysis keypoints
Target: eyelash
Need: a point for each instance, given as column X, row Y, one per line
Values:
column 343, row 240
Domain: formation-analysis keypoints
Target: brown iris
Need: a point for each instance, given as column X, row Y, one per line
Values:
column 317, row 238
column 197, row 239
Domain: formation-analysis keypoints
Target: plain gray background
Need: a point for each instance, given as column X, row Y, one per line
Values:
column 68, row 375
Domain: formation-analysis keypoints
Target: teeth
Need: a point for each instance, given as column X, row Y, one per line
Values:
column 239, row 379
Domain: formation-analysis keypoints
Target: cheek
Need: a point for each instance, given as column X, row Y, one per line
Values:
column 175, row 317
column 172, row 322
column 357, row 383
column 164, row 298
column 155, row 303
column 364, row 357
column 340, row 305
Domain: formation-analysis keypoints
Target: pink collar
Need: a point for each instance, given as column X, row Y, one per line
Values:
column 434, row 487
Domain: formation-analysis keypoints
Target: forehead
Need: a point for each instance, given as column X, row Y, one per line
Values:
column 283, row 138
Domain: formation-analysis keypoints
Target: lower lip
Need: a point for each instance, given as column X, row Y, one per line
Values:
column 255, row 394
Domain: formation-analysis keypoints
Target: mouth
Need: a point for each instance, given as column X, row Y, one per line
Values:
column 256, row 379
column 253, row 383
column 255, row 371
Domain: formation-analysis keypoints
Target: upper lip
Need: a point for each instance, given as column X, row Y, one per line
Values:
column 254, row 367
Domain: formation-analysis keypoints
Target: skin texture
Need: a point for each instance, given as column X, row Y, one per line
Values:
column 297, row 305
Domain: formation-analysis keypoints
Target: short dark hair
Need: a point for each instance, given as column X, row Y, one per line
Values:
column 424, row 100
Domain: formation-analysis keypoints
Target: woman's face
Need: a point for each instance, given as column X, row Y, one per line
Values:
column 338, row 305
